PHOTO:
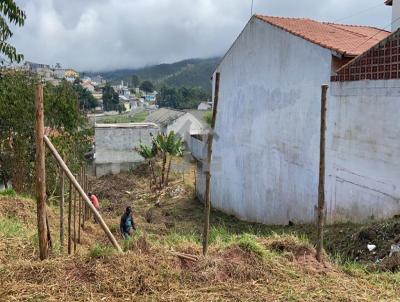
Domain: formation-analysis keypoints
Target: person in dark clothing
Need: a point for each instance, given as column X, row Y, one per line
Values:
column 127, row 224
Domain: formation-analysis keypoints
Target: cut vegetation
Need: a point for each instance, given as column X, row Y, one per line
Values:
column 163, row 262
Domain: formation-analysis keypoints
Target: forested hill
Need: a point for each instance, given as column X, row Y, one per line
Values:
column 187, row 73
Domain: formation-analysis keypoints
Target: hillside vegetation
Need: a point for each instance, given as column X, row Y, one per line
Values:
column 247, row 262
column 187, row 73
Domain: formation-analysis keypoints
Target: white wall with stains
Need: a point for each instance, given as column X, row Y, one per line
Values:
column 363, row 150
column 266, row 147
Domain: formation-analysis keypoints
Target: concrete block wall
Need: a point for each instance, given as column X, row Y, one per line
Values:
column 115, row 144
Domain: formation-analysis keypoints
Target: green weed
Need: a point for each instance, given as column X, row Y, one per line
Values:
column 99, row 251
column 249, row 243
column 11, row 227
column 8, row 193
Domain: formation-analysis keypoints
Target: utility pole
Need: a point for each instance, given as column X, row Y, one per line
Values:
column 321, row 184
column 251, row 11
column 40, row 168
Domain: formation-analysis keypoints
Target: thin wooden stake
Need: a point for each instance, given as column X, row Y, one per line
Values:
column 75, row 200
column 321, row 183
column 207, row 205
column 83, row 194
column 41, row 174
column 80, row 212
column 70, row 217
column 62, row 201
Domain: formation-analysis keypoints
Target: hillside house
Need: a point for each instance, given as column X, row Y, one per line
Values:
column 183, row 123
column 265, row 158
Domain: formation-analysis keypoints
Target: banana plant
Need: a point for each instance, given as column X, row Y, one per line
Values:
column 149, row 153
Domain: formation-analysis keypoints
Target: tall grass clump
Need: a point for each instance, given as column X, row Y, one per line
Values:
column 11, row 227
column 249, row 243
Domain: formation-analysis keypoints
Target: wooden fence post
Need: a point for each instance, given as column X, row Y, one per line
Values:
column 75, row 200
column 70, row 217
column 207, row 205
column 78, row 187
column 41, row 174
column 321, row 183
column 62, row 202
column 79, row 212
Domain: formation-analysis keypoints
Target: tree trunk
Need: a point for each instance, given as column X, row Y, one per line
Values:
column 321, row 184
column 154, row 178
column 41, row 175
column 168, row 169
column 164, row 162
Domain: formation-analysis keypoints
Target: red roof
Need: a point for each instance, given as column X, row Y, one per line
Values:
column 348, row 40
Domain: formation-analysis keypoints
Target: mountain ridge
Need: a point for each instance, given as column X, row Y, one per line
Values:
column 186, row 73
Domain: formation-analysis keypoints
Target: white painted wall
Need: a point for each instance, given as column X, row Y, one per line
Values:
column 266, row 152
column 115, row 145
column 363, row 151
column 395, row 15
column 186, row 125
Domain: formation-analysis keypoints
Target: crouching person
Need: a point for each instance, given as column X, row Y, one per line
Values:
column 127, row 225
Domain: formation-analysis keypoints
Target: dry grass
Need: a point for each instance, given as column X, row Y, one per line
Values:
column 247, row 262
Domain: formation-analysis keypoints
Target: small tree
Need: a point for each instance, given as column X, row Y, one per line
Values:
column 165, row 147
column 174, row 148
column 11, row 12
column 149, row 153
column 134, row 81
column 147, row 86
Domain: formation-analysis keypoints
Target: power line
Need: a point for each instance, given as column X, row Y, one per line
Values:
column 360, row 12
column 378, row 32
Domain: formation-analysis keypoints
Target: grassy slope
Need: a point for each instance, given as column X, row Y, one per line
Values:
column 247, row 262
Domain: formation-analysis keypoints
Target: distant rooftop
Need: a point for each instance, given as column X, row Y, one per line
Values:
column 127, row 125
column 347, row 40
column 164, row 116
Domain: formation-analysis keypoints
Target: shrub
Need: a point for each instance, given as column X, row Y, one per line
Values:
column 8, row 193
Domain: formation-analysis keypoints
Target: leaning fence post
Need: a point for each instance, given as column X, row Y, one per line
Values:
column 69, row 217
column 321, row 183
column 78, row 187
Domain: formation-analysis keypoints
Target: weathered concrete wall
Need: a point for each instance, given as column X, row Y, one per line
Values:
column 266, row 151
column 115, row 145
column 363, row 150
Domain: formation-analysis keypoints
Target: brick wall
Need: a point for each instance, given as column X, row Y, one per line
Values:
column 381, row 62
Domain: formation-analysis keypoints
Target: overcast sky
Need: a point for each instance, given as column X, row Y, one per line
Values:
column 112, row 34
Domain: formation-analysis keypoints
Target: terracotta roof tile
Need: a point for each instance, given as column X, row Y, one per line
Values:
column 348, row 40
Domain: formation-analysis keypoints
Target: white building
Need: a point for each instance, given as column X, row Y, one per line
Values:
column 265, row 159
column 183, row 123
column 116, row 143
column 204, row 106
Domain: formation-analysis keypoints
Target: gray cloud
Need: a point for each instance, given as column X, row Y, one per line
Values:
column 109, row 34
